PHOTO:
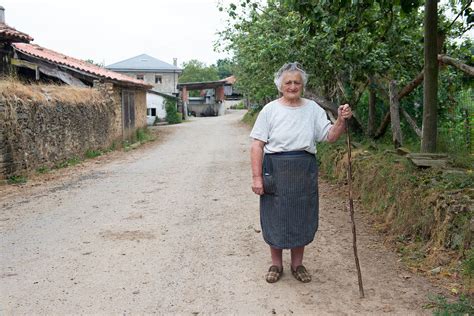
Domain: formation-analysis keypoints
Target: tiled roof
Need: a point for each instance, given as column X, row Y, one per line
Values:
column 80, row 65
column 11, row 34
column 144, row 63
column 230, row 80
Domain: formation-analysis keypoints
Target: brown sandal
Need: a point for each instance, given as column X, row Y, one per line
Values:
column 274, row 273
column 301, row 274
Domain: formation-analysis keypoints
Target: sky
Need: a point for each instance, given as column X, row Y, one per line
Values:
column 111, row 31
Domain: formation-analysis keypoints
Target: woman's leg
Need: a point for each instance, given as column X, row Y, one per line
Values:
column 276, row 269
column 277, row 257
column 297, row 257
column 297, row 268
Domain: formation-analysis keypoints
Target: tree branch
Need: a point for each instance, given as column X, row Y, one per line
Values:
column 456, row 63
column 331, row 107
column 459, row 14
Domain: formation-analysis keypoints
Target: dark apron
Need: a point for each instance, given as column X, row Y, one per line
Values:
column 289, row 208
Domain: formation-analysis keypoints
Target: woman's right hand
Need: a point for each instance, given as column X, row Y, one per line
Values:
column 257, row 185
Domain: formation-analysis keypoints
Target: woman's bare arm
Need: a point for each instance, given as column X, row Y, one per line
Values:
column 344, row 113
column 256, row 157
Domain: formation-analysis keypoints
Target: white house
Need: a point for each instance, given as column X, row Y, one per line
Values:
column 155, row 102
column 163, row 76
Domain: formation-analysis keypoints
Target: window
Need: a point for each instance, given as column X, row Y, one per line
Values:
column 157, row 79
column 151, row 112
column 140, row 77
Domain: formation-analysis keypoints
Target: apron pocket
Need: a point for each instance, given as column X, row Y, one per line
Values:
column 268, row 184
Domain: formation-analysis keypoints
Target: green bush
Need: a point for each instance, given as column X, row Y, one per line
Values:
column 172, row 115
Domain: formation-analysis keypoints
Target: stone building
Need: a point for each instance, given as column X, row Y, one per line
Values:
column 87, row 108
column 129, row 94
column 161, row 75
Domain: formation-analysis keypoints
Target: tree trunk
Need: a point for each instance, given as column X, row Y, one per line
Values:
column 467, row 128
column 371, row 121
column 430, row 85
column 395, row 115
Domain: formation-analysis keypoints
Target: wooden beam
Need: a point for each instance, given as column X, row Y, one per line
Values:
column 411, row 122
column 395, row 115
column 26, row 64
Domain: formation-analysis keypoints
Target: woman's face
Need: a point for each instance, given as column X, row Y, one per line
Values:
column 291, row 85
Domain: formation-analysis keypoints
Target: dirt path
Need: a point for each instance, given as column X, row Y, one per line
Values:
column 174, row 228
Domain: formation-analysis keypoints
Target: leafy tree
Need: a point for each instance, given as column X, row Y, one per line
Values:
column 224, row 68
column 197, row 71
column 342, row 44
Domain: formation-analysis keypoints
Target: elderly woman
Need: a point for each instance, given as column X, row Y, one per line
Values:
column 284, row 168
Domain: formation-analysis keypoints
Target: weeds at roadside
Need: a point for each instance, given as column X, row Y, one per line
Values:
column 92, row 153
column 70, row 162
column 441, row 306
column 17, row 180
column 143, row 135
column 43, row 170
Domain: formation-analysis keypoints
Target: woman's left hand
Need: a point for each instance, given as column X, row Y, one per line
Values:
column 344, row 111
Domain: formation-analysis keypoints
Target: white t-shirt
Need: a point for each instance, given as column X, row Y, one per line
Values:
column 286, row 128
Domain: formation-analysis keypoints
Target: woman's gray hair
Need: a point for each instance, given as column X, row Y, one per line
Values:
column 289, row 67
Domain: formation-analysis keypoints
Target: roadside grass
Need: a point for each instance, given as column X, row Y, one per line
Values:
column 425, row 214
column 250, row 117
column 143, row 135
column 238, row 106
column 17, row 180
column 68, row 163
column 92, row 153
column 43, row 170
column 443, row 307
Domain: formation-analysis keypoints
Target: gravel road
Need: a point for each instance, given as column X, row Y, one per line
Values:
column 173, row 228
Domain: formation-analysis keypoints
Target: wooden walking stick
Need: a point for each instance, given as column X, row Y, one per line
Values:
column 351, row 209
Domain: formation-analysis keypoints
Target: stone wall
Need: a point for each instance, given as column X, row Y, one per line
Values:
column 42, row 128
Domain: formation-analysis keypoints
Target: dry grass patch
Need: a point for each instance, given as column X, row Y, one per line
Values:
column 46, row 93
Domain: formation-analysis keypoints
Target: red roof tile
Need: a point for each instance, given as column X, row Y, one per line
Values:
column 230, row 80
column 81, row 65
column 11, row 34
